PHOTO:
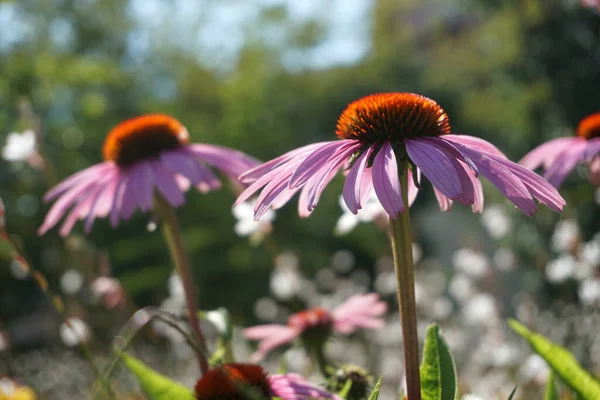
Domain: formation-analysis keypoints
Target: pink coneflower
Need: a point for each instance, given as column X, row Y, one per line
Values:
column 141, row 155
column 359, row 311
column 235, row 381
column 379, row 134
column 560, row 156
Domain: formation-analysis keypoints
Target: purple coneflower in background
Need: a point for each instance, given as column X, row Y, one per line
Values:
column 379, row 134
column 240, row 381
column 359, row 311
column 560, row 156
column 141, row 155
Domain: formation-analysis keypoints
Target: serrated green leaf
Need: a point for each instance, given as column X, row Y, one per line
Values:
column 562, row 362
column 156, row 386
column 512, row 394
column 438, row 372
column 375, row 393
column 551, row 388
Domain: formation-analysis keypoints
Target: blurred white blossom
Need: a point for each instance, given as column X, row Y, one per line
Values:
column 480, row 310
column 471, row 262
column 565, row 235
column 371, row 210
column 534, row 369
column 74, row 332
column 461, row 287
column 19, row 146
column 495, row 221
column 246, row 225
column 109, row 291
column 561, row 269
column 285, row 282
column 589, row 252
column 505, row 259
column 71, row 281
column 589, row 292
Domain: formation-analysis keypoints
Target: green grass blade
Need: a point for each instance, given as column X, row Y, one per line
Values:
column 375, row 393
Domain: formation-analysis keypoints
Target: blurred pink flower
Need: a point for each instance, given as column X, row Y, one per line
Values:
column 560, row 156
column 109, row 291
column 378, row 134
column 141, row 155
column 359, row 311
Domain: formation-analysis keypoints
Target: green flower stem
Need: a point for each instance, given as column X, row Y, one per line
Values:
column 401, row 241
column 172, row 233
column 322, row 363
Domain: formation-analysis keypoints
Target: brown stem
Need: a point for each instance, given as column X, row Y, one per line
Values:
column 401, row 241
column 170, row 227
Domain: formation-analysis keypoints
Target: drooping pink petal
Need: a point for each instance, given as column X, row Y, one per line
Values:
column 81, row 209
column 444, row 202
column 386, row 181
column 295, row 387
column 441, row 169
column 70, row 197
column 475, row 143
column 183, row 164
column 316, row 184
column 359, row 311
column 142, row 185
column 103, row 202
column 271, row 337
column 167, row 185
column 546, row 153
column 231, row 162
column 316, row 161
column 502, row 178
column 79, row 178
column 543, row 191
column 208, row 180
column 353, row 185
column 281, row 173
column 565, row 163
column 300, row 153
column 119, row 199
column 593, row 149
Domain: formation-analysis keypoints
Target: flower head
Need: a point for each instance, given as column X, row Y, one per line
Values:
column 317, row 324
column 12, row 390
column 142, row 156
column 382, row 134
column 559, row 157
column 235, row 381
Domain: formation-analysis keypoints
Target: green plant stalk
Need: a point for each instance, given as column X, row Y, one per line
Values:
column 172, row 233
column 401, row 241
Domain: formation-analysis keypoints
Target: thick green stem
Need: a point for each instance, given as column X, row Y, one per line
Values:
column 170, row 228
column 401, row 240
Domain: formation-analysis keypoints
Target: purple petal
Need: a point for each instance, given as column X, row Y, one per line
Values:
column 475, row 143
column 208, row 181
column 142, row 185
column 85, row 175
column 593, row 148
column 354, row 182
column 181, row 163
column 546, row 153
column 502, row 178
column 564, row 164
column 167, row 184
column 229, row 161
column 103, row 202
column 386, row 181
column 315, row 161
column 81, row 209
column 442, row 170
column 259, row 171
column 119, row 198
column 444, row 202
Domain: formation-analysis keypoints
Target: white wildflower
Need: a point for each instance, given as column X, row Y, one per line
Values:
column 19, row 146
column 496, row 222
column 75, row 332
column 561, row 269
column 565, row 235
column 371, row 210
column 246, row 225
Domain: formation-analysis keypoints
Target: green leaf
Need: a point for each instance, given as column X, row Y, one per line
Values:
column 562, row 363
column 375, row 393
column 512, row 394
column 438, row 372
column 156, row 386
column 346, row 389
column 551, row 388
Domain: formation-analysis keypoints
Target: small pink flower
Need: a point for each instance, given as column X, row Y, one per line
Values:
column 109, row 291
column 378, row 134
column 359, row 311
column 141, row 155
column 560, row 156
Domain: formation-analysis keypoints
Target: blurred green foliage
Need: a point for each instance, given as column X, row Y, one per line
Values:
column 513, row 72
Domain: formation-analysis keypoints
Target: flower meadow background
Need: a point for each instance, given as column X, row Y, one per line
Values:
column 263, row 77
